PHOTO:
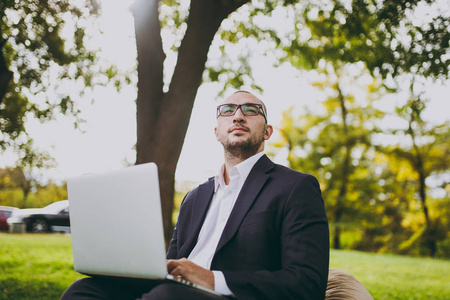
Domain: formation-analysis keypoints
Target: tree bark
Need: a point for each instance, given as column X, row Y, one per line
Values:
column 163, row 118
column 5, row 74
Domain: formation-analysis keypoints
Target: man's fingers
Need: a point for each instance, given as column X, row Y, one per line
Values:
column 186, row 269
column 178, row 266
column 177, row 272
column 171, row 265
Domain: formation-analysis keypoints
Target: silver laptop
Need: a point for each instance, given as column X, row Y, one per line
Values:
column 116, row 224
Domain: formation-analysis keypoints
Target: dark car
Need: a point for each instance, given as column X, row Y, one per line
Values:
column 5, row 213
column 53, row 217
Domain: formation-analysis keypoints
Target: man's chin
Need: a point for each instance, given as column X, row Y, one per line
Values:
column 242, row 148
column 238, row 143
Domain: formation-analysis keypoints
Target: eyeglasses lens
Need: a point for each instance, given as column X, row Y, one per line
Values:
column 247, row 109
column 250, row 110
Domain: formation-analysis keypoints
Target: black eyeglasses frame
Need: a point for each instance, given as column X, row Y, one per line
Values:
column 238, row 106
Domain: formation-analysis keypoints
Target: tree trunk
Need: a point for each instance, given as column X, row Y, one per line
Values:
column 429, row 238
column 5, row 74
column 345, row 171
column 163, row 118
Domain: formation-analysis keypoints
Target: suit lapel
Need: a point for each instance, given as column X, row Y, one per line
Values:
column 250, row 190
column 199, row 210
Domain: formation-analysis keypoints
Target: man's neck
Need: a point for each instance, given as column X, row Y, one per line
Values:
column 230, row 162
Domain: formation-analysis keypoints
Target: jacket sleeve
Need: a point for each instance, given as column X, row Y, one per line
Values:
column 304, row 250
column 172, row 251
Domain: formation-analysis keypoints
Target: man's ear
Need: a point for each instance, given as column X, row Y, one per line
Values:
column 268, row 132
column 215, row 132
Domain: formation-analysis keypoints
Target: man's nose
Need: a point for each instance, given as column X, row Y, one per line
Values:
column 238, row 116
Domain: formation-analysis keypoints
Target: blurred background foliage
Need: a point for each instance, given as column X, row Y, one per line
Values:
column 46, row 69
column 19, row 190
column 385, row 175
column 385, row 183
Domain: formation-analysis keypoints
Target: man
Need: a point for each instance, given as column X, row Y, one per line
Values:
column 257, row 230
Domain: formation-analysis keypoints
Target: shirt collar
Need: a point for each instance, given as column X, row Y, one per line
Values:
column 242, row 169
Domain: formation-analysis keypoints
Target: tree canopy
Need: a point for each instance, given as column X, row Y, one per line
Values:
column 44, row 65
column 379, row 193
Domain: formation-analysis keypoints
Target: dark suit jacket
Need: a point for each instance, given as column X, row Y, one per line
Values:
column 275, row 244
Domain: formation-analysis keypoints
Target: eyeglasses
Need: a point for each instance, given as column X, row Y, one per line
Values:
column 247, row 109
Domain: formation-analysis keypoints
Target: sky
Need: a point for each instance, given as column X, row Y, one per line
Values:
column 110, row 131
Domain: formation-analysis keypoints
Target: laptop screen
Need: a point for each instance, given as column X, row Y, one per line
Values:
column 116, row 223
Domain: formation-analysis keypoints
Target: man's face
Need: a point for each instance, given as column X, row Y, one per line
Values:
column 242, row 136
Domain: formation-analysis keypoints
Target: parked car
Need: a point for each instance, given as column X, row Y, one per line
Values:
column 5, row 213
column 53, row 217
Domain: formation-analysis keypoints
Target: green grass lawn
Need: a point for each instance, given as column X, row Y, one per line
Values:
column 35, row 266
column 396, row 277
column 39, row 266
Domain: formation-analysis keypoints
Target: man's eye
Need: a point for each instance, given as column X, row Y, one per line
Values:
column 228, row 110
column 251, row 109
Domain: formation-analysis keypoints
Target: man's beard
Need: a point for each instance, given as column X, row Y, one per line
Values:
column 246, row 148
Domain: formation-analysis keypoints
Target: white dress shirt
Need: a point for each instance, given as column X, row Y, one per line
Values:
column 218, row 213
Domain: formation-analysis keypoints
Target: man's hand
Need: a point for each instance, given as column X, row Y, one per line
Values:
column 186, row 269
